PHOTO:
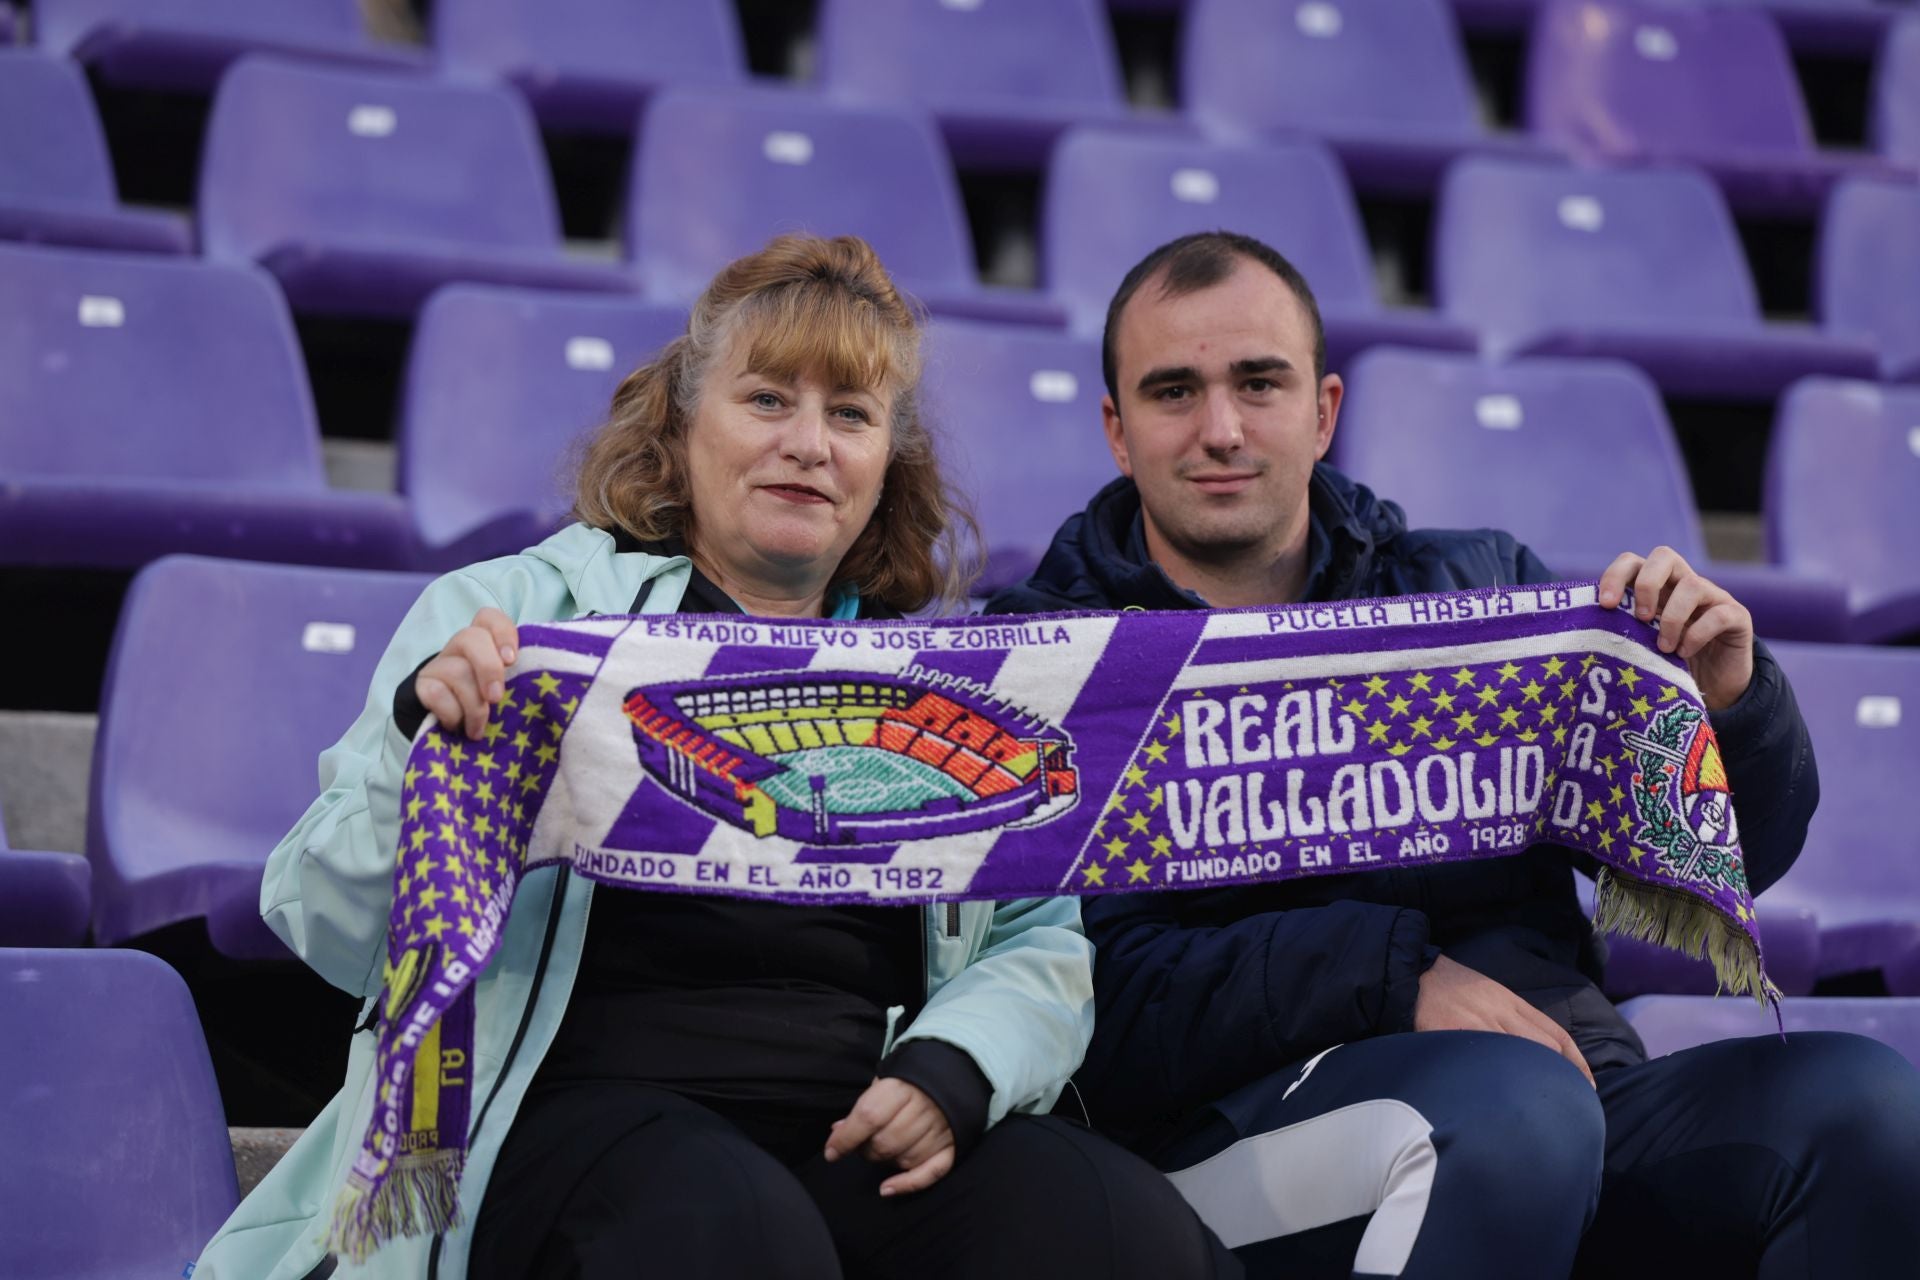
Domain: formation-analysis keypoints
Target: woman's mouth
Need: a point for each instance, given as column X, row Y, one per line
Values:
column 798, row 494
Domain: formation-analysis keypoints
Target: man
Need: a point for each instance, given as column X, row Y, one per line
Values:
column 1255, row 1041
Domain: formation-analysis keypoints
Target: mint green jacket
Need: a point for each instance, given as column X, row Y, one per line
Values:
column 1010, row 983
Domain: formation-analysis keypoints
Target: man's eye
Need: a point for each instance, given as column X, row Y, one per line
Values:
column 1260, row 386
column 1172, row 393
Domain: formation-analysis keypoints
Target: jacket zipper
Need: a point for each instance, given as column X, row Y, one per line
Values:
column 519, row 1035
column 953, row 919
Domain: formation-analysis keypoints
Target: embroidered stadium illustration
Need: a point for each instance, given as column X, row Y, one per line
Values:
column 852, row 757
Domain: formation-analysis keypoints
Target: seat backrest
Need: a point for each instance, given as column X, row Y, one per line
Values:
column 1867, row 261
column 1843, row 484
column 956, row 54
column 716, row 175
column 1329, row 66
column 500, row 384
column 64, row 25
column 226, row 681
column 1647, row 77
column 119, row 366
column 1895, row 112
column 659, row 42
column 52, row 149
column 1521, row 247
column 299, row 154
column 1112, row 197
column 1017, row 412
column 1463, row 444
column 1862, row 707
column 118, row 1161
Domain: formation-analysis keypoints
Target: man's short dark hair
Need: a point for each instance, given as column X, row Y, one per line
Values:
column 1200, row 261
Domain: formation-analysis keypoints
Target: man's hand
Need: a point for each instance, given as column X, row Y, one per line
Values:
column 895, row 1123
column 1455, row 998
column 1699, row 620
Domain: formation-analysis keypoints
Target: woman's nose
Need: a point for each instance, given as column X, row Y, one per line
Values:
column 805, row 440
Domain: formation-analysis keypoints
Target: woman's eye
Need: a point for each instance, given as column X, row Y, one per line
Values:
column 766, row 400
column 851, row 414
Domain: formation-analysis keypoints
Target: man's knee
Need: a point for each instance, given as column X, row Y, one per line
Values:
column 1850, row 1098
column 1526, row 1120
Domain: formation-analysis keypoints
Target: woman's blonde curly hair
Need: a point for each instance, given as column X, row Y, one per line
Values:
column 809, row 307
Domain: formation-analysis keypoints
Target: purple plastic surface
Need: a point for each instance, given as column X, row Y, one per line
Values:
column 363, row 192
column 107, row 1097
column 1843, row 497
column 589, row 64
column 1004, row 80
column 1017, row 412
column 1860, row 870
column 1668, row 1024
column 1112, row 197
column 1789, row 935
column 1866, row 263
column 44, row 898
column 1641, row 264
column 483, row 460
column 191, row 787
column 56, row 180
column 160, row 404
column 716, row 175
column 1894, row 121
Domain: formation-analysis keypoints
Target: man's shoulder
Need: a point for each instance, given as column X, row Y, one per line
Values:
column 1419, row 560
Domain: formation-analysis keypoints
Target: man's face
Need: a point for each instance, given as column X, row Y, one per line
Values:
column 1220, row 420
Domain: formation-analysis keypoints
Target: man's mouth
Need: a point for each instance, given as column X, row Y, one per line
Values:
column 1223, row 482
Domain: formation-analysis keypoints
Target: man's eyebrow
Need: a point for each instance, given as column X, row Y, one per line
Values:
column 1261, row 364
column 1166, row 375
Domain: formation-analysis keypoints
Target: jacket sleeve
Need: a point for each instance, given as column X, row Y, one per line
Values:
column 1194, row 1003
column 328, row 885
column 1023, row 1009
column 1769, row 758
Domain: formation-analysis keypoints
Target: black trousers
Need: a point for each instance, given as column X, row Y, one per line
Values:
column 611, row 1181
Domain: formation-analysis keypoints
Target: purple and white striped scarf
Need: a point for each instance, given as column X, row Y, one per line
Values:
column 1013, row 757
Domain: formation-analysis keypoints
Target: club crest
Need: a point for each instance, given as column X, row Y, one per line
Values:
column 1683, row 799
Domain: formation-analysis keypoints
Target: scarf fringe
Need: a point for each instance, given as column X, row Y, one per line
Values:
column 1650, row 913
column 421, row 1196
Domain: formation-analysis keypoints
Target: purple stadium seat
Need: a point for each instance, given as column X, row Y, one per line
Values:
column 1642, row 264
column 186, row 44
column 1519, row 446
column 1386, row 84
column 1865, row 265
column 1496, row 16
column 1790, row 945
column 1895, row 112
column 159, row 404
column 226, row 681
column 1003, row 79
column 1113, row 196
column 716, row 175
column 44, row 898
column 1843, row 497
column 364, row 192
column 1836, row 28
column 482, row 453
column 1017, row 413
column 588, row 64
column 1651, row 82
column 1668, row 1024
column 1860, row 870
column 56, row 182
column 118, row 1160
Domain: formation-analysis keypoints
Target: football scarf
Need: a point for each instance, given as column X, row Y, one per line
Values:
column 1013, row 757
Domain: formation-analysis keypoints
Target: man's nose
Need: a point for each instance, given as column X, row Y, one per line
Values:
column 1221, row 430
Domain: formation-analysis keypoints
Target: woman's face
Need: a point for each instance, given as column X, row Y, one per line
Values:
column 784, row 475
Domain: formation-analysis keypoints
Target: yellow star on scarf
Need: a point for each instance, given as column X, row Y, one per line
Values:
column 1135, row 776
column 1138, row 823
column 1443, row 744
column 1606, row 841
column 1421, row 726
column 418, row 839
column 1509, row 717
column 1463, row 677
column 414, row 806
column 493, row 732
column 1117, row 804
column 457, row 753
column 547, row 683
column 1154, row 798
column 1354, row 707
column 1626, row 824
column 1399, row 706
column 1115, row 847
column 1377, row 732
column 1555, row 665
column 1399, row 748
column 1596, row 810
column 1137, row 872
column 1586, row 663
column 1566, row 689
column 1629, row 676
column 1466, row 722
column 430, row 897
column 1615, row 795
column 1548, row 712
column 1157, row 752
column 412, row 776
column 1095, row 874
column 1609, row 764
column 1508, row 672
column 1443, row 702
column 1636, row 853
column 1640, row 707
column 1419, row 681
column 1486, row 739
column 1374, row 685
column 435, row 926
column 1560, row 735
column 1171, row 724
column 1160, row 845
column 1528, row 735
column 1533, row 690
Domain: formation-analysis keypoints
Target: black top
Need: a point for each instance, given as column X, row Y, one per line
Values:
column 770, row 1013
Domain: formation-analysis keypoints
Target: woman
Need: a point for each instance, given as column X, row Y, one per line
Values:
column 693, row 1086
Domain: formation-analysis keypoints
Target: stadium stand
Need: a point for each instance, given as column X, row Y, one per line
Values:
column 1843, row 497
column 363, row 192
column 1868, row 255
column 1669, row 1024
column 1860, row 871
column 56, row 179
column 1516, row 446
column 185, row 807
column 1386, row 85
column 589, row 64
column 159, row 404
column 1827, row 27
column 1017, row 412
column 1895, row 122
column 716, row 175
column 107, row 1098
column 1112, row 196
column 187, row 44
column 1644, row 265
column 44, row 898
column 1003, row 80
column 480, row 457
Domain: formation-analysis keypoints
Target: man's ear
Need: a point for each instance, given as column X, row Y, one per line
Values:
column 1332, row 391
column 1116, row 436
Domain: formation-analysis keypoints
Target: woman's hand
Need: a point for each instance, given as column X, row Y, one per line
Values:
column 461, row 686
column 895, row 1123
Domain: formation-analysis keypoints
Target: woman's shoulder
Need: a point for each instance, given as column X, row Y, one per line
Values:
column 579, row 569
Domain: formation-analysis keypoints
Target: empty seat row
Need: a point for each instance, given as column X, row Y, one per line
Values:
column 45, row 898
